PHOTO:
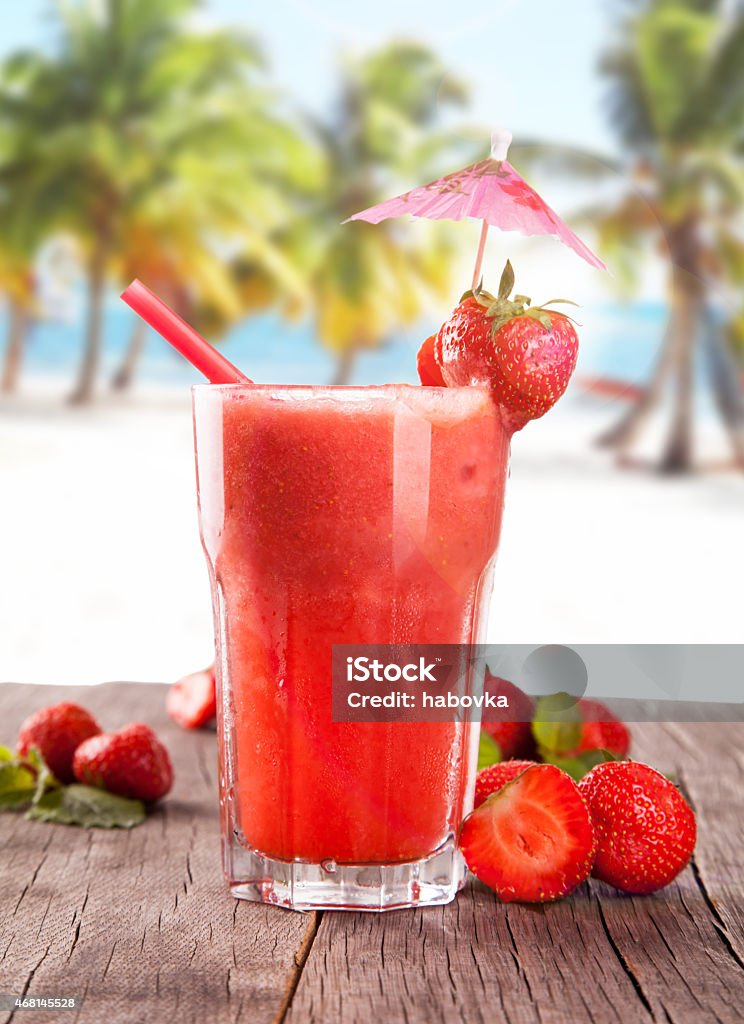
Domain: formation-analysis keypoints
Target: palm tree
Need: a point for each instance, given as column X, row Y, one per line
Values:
column 366, row 281
column 677, row 102
column 131, row 111
column 191, row 238
column 22, row 230
column 17, row 284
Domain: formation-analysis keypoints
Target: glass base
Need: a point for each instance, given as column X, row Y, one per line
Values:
column 329, row 886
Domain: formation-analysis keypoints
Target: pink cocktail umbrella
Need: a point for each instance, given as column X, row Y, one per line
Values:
column 490, row 191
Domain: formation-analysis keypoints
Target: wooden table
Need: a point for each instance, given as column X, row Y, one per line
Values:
column 140, row 924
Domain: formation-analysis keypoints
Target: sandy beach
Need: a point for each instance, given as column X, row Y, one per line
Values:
column 104, row 578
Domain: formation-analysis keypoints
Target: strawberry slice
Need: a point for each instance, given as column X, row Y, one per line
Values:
column 532, row 840
column 492, row 778
column 192, row 700
column 429, row 372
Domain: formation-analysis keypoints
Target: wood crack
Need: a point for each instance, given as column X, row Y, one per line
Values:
column 718, row 922
column 300, row 960
column 635, row 982
column 29, row 979
column 518, row 963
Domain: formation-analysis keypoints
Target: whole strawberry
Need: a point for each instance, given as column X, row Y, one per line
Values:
column 490, row 779
column 57, row 732
column 132, row 762
column 532, row 840
column 510, row 727
column 601, row 730
column 525, row 353
column 645, row 828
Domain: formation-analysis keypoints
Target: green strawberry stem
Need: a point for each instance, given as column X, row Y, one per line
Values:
column 501, row 308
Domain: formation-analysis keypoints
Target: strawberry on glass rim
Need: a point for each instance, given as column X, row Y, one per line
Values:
column 524, row 353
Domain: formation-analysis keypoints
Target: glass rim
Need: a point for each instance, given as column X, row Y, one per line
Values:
column 337, row 388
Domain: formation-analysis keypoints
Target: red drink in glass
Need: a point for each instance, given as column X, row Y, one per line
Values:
column 365, row 515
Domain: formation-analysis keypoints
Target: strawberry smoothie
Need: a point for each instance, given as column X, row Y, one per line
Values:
column 341, row 515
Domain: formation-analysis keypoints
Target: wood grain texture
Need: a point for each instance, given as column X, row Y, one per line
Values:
column 141, row 925
column 673, row 957
column 137, row 922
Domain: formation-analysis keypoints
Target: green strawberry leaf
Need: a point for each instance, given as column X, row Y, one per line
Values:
column 507, row 281
column 33, row 757
column 522, row 300
column 489, row 752
column 88, row 807
column 17, row 784
column 541, row 316
column 578, row 766
column 45, row 780
column 6, row 754
column 566, row 302
column 557, row 723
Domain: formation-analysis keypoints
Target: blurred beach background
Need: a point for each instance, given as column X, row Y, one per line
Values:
column 213, row 149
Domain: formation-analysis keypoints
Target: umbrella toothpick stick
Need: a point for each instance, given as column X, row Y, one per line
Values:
column 500, row 142
column 479, row 256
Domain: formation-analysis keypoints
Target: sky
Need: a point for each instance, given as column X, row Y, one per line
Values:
column 531, row 64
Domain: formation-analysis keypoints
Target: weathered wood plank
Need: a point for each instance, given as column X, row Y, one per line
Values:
column 683, row 945
column 139, row 922
column 709, row 761
column 598, row 956
column 476, row 960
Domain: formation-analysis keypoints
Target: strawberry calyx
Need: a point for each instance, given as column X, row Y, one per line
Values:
column 501, row 308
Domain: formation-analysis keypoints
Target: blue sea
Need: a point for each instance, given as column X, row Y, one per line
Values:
column 617, row 341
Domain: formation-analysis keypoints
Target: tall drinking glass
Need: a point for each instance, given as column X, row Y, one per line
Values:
column 342, row 515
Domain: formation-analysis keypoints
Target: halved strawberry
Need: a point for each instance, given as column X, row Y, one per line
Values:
column 532, row 840
column 429, row 372
column 490, row 779
column 192, row 700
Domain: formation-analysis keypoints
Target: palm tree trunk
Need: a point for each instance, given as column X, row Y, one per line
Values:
column 687, row 303
column 86, row 383
column 624, row 434
column 677, row 359
column 345, row 365
column 727, row 389
column 18, row 322
column 124, row 375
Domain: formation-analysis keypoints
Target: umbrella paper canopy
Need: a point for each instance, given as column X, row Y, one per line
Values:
column 490, row 191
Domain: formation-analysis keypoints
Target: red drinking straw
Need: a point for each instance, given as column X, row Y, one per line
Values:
column 181, row 336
